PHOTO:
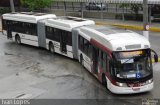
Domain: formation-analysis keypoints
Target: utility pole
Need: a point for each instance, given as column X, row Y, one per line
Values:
column 145, row 19
column 12, row 6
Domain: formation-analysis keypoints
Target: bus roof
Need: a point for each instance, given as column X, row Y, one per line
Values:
column 27, row 16
column 68, row 22
column 115, row 39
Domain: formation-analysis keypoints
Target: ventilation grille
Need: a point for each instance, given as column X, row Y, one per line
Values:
column 135, row 46
column 146, row 46
column 119, row 48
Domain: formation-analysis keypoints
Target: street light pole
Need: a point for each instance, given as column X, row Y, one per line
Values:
column 145, row 19
column 12, row 6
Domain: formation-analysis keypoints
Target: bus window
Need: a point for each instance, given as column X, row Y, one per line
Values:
column 101, row 59
column 57, row 34
column 95, row 59
column 90, row 50
column 104, row 62
column 69, row 38
column 85, row 46
column 4, row 24
column 80, row 43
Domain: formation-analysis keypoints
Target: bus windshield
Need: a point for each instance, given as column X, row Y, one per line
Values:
column 133, row 64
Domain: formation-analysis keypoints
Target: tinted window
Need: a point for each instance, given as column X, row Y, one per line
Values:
column 23, row 27
column 69, row 38
column 85, row 46
column 4, row 24
column 55, row 34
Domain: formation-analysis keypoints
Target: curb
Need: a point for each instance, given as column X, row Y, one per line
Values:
column 132, row 27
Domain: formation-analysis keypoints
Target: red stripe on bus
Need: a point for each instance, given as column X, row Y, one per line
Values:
column 109, row 77
column 99, row 45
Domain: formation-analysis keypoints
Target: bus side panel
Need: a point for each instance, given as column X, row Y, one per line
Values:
column 26, row 38
column 41, row 34
column 75, row 42
column 87, row 62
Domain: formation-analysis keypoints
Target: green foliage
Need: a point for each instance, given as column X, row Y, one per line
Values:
column 134, row 7
column 4, row 10
column 124, row 5
column 36, row 4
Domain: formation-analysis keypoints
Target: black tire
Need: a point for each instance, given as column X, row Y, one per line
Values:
column 104, row 81
column 18, row 39
column 51, row 48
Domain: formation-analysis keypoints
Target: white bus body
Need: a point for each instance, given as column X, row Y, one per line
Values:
column 119, row 59
column 26, row 21
column 65, row 25
column 115, row 40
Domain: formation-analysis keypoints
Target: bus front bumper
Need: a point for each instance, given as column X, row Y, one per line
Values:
column 131, row 90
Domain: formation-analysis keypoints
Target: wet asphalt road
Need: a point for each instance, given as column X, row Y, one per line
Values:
column 30, row 72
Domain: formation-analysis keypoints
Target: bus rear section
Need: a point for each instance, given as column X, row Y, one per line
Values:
column 4, row 26
column 22, row 27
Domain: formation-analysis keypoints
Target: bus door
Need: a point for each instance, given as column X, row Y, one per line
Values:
column 63, row 42
column 95, row 60
column 9, row 29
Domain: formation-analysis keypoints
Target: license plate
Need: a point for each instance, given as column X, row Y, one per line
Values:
column 136, row 85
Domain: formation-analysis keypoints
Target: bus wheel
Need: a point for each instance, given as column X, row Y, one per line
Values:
column 18, row 39
column 81, row 59
column 51, row 48
column 104, row 81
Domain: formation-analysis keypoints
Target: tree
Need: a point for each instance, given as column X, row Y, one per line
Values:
column 36, row 4
column 12, row 6
column 134, row 7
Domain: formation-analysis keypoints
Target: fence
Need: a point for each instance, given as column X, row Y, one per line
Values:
column 111, row 11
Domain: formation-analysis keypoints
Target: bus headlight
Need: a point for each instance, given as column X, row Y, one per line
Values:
column 149, row 81
column 121, row 84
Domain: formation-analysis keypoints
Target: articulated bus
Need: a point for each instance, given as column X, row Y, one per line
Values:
column 119, row 59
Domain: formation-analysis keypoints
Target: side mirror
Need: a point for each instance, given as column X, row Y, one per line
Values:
column 156, row 58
